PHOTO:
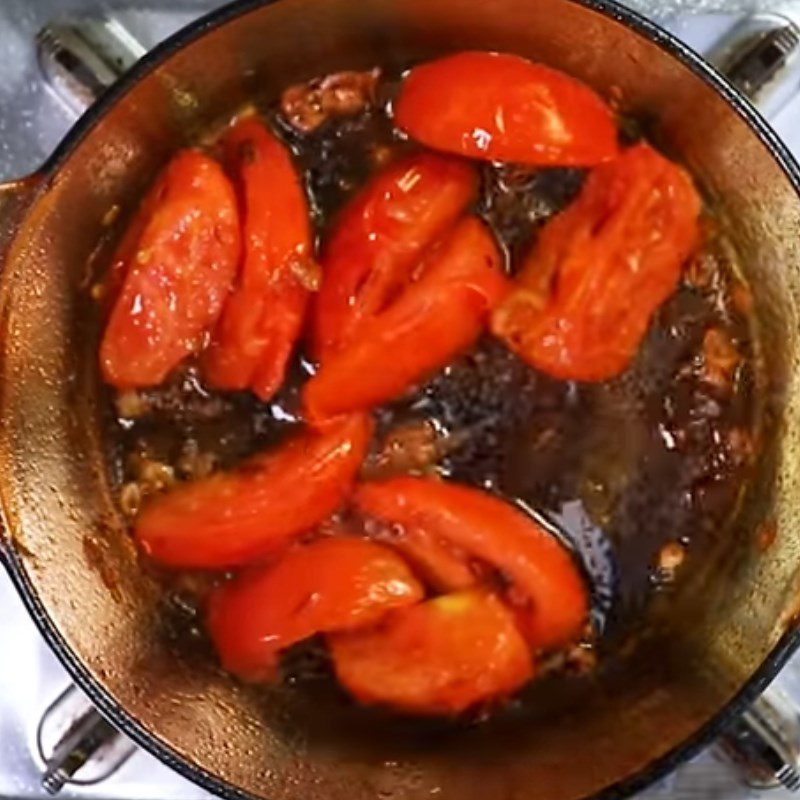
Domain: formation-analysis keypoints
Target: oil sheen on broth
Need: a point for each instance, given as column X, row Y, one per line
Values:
column 640, row 474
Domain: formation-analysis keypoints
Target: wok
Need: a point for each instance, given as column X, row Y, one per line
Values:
column 699, row 658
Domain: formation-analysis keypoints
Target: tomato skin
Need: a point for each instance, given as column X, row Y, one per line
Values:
column 439, row 657
column 171, row 273
column 232, row 518
column 433, row 320
column 501, row 107
column 380, row 237
column 263, row 315
column 585, row 296
column 329, row 585
column 440, row 565
column 492, row 530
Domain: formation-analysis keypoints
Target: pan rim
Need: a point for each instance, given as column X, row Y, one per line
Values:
column 101, row 698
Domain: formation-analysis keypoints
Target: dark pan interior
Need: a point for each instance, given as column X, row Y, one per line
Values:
column 568, row 740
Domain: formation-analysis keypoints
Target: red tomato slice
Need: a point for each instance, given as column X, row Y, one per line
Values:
column 328, row 585
column 235, row 517
column 488, row 528
column 601, row 268
column 438, row 563
column 500, row 107
column 443, row 567
column 438, row 657
column 262, row 317
column 379, row 238
column 425, row 327
column 172, row 272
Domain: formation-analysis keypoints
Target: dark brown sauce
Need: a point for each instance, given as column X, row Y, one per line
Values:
column 657, row 457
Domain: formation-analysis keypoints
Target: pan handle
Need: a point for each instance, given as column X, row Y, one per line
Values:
column 87, row 745
column 15, row 198
column 760, row 56
column 763, row 744
column 79, row 59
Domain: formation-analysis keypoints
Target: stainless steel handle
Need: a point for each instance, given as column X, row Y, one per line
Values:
column 763, row 745
column 81, row 58
column 761, row 57
column 76, row 745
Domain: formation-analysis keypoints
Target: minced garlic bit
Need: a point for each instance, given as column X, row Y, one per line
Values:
column 155, row 475
column 720, row 359
column 110, row 216
column 410, row 448
column 131, row 404
column 193, row 463
column 307, row 105
column 671, row 556
column 580, row 659
column 130, row 499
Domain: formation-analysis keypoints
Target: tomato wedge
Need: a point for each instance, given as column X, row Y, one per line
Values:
column 432, row 320
column 379, row 238
column 540, row 568
column 172, row 272
column 438, row 563
column 263, row 315
column 235, row 517
column 439, row 657
column 585, row 296
column 500, row 107
column 442, row 566
column 328, row 585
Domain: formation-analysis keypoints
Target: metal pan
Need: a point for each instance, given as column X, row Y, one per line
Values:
column 697, row 664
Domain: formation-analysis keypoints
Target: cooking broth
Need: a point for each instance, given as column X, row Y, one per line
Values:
column 641, row 474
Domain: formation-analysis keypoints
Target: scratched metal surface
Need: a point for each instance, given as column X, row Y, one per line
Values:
column 665, row 9
column 32, row 121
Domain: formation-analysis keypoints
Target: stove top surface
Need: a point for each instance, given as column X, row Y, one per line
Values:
column 32, row 121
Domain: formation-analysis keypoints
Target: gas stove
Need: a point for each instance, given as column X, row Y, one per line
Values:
column 42, row 716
